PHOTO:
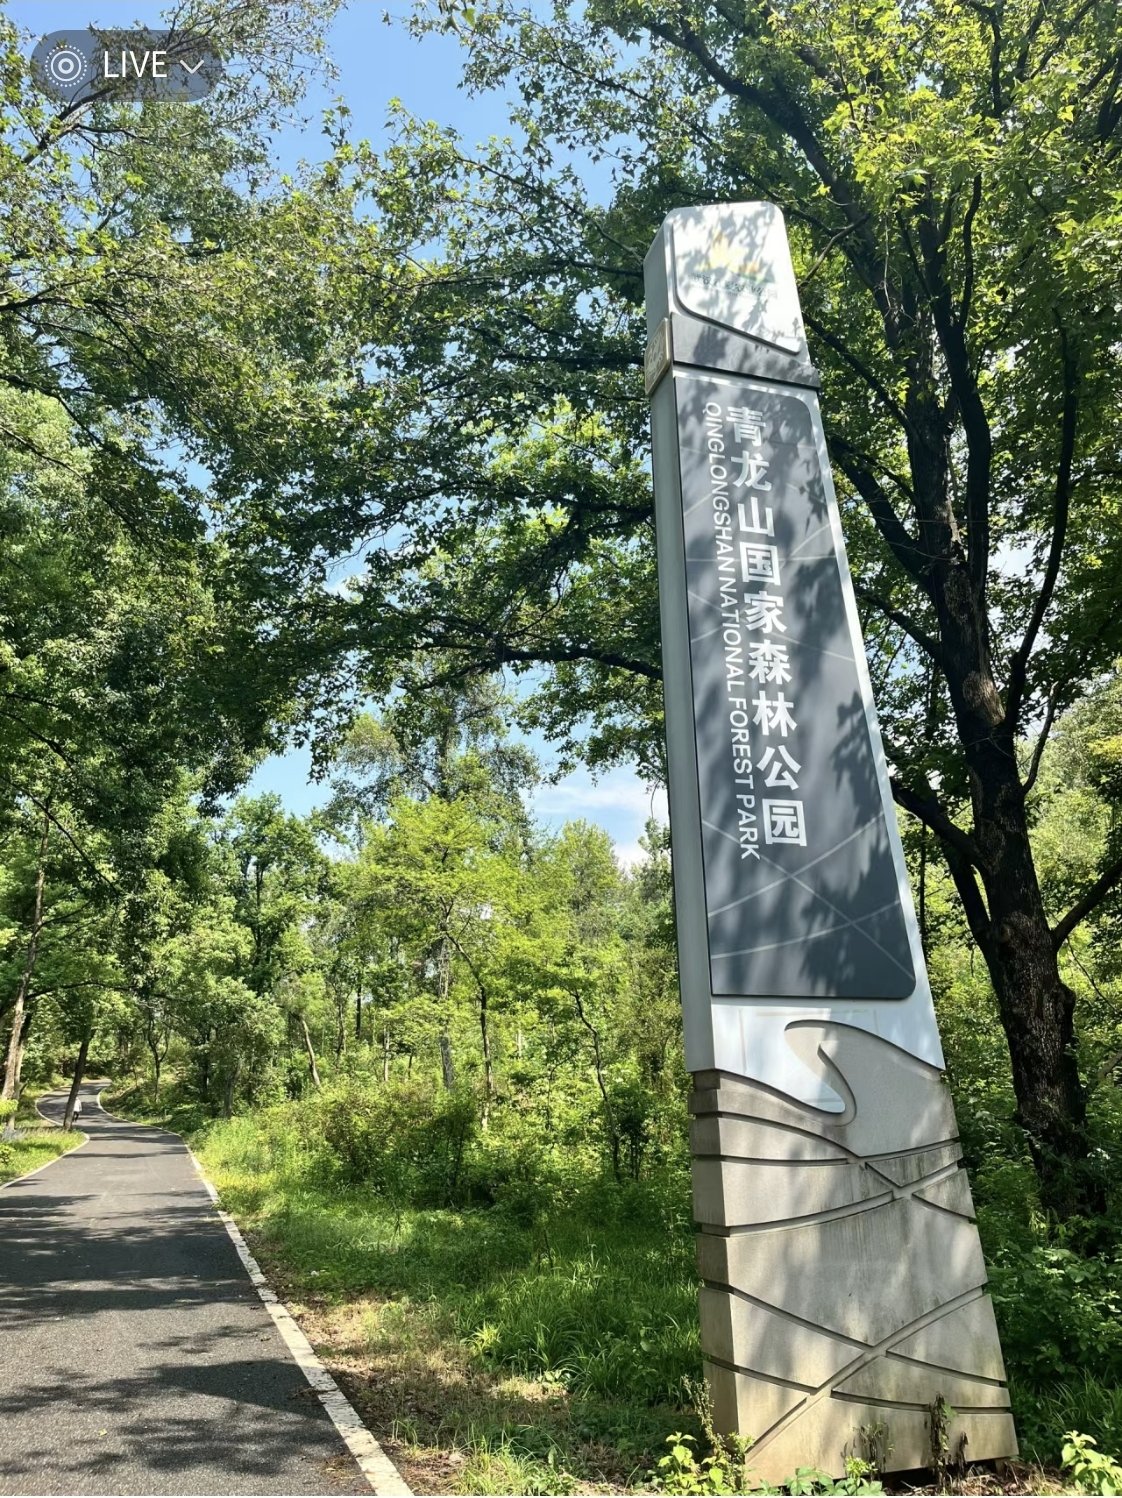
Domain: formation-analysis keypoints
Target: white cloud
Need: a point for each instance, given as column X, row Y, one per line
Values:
column 617, row 790
column 618, row 801
column 629, row 854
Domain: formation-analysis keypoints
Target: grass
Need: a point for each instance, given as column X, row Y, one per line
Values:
column 170, row 1111
column 503, row 1358
column 38, row 1143
column 37, row 1147
column 490, row 1354
column 1086, row 1403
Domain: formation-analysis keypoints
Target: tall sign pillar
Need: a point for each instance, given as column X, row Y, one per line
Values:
column 843, row 1290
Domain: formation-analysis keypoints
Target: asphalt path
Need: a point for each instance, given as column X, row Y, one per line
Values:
column 135, row 1354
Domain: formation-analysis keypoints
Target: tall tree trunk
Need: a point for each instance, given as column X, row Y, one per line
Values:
column 931, row 724
column 1037, row 1008
column 923, row 935
column 921, row 288
column 79, row 1073
column 385, row 1053
column 601, row 1083
column 340, row 1025
column 485, row 1039
column 447, row 1068
column 228, row 1092
column 488, row 1068
column 1011, row 926
column 358, row 1013
column 313, row 1069
column 14, row 1064
column 444, row 988
column 152, row 1040
column 25, row 1031
column 1005, row 910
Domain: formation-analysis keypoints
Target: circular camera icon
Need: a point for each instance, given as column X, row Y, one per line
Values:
column 62, row 63
column 67, row 67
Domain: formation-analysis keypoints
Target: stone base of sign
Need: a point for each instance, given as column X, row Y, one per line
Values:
column 844, row 1287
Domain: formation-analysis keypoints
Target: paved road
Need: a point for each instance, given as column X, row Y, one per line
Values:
column 135, row 1355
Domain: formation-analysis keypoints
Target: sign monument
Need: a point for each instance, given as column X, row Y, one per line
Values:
column 843, row 1282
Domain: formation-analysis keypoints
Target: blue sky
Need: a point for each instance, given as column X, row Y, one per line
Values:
column 377, row 62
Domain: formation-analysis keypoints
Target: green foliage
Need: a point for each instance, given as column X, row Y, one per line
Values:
column 504, row 1466
column 727, row 1470
column 682, row 1471
column 950, row 189
column 406, row 1145
column 858, row 1479
column 1078, row 1399
column 544, row 1214
column 136, row 669
column 448, row 1041
column 598, row 1296
column 1092, row 1470
column 1074, row 1306
column 585, row 1321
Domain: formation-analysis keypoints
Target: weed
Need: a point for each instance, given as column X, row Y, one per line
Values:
column 1092, row 1470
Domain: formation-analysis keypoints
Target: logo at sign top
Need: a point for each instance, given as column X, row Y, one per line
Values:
column 724, row 255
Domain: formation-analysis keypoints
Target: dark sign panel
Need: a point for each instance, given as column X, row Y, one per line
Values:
column 802, row 896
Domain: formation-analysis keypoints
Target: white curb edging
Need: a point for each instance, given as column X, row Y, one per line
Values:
column 376, row 1467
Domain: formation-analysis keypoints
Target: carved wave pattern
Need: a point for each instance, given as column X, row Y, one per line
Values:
column 843, row 1280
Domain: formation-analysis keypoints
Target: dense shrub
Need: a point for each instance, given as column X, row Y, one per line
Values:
column 406, row 1144
column 422, row 1148
column 1076, row 1312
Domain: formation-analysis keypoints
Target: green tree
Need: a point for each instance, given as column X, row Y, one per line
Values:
column 950, row 177
column 446, row 734
column 166, row 300
column 449, row 896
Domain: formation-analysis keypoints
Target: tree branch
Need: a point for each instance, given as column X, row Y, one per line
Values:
column 966, row 883
column 907, row 551
column 505, row 654
column 783, row 109
column 968, row 250
column 932, row 813
column 1088, row 902
column 905, row 622
column 962, row 855
column 71, row 839
column 990, row 14
column 975, row 424
column 824, row 253
column 859, row 367
column 1018, row 666
column 1042, row 739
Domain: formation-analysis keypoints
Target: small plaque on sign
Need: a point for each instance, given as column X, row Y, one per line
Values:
column 657, row 359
